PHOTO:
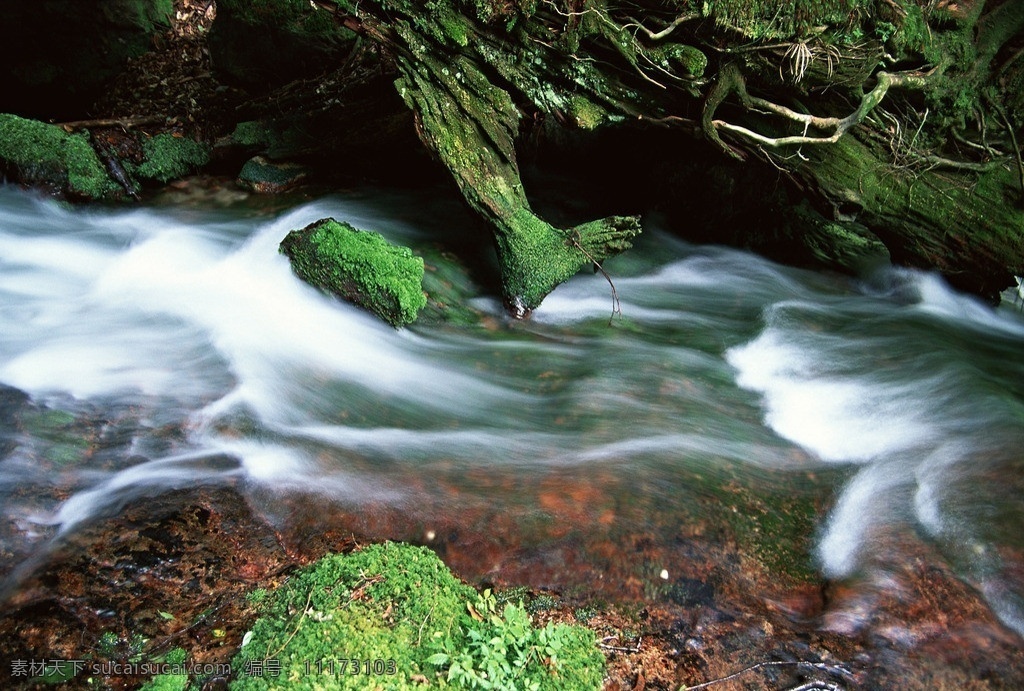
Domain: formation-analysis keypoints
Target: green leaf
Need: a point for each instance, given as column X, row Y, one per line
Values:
column 438, row 659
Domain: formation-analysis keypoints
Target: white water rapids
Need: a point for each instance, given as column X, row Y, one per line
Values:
column 192, row 320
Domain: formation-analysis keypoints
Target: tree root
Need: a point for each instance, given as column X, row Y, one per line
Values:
column 839, row 126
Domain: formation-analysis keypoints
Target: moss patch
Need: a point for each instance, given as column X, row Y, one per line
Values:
column 410, row 623
column 358, row 266
column 167, row 156
column 40, row 154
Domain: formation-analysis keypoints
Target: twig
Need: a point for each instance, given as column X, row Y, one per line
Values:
column 123, row 123
column 619, row 648
column 419, row 636
column 616, row 305
column 302, row 617
column 657, row 36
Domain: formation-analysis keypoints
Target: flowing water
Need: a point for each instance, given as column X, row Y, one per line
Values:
column 184, row 332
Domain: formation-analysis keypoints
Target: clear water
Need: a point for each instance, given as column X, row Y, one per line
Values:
column 191, row 324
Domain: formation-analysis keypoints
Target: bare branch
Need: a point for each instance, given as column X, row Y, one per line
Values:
column 657, row 36
column 123, row 123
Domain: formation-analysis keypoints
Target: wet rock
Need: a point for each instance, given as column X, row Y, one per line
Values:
column 11, row 401
column 38, row 154
column 264, row 176
column 168, row 571
column 691, row 592
column 360, row 267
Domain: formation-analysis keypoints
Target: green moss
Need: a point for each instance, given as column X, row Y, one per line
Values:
column 399, row 606
column 358, row 266
column 777, row 529
column 670, row 56
column 61, row 441
column 780, row 20
column 253, row 133
column 266, row 177
column 166, row 682
column 42, row 154
column 166, row 157
column 588, row 115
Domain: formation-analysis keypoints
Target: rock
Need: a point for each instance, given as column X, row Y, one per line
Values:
column 168, row 156
column 262, row 46
column 264, row 176
column 36, row 153
column 360, row 267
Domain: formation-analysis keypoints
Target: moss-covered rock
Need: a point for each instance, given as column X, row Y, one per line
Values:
column 360, row 267
column 264, row 176
column 168, row 156
column 393, row 616
column 36, row 153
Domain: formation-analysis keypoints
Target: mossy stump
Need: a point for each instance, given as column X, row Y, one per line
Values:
column 360, row 267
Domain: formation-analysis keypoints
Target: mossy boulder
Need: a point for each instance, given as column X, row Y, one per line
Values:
column 264, row 176
column 36, row 153
column 360, row 267
column 393, row 616
column 168, row 156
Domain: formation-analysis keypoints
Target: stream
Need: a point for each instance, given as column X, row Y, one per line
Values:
column 170, row 346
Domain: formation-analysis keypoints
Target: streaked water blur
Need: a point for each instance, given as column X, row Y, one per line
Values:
column 195, row 323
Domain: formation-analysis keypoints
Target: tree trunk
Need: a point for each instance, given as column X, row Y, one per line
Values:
column 889, row 111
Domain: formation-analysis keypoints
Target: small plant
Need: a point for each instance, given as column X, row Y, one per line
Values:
column 108, row 644
column 585, row 614
column 504, row 651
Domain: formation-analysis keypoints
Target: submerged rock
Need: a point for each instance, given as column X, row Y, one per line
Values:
column 360, row 267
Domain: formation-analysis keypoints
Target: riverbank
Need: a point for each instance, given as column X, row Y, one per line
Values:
column 178, row 571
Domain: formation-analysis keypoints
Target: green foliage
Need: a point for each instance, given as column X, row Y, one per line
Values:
column 108, row 644
column 780, row 20
column 359, row 266
column 39, row 153
column 166, row 682
column 677, row 55
column 504, row 651
column 167, row 157
column 253, row 133
column 400, row 605
column 256, row 596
